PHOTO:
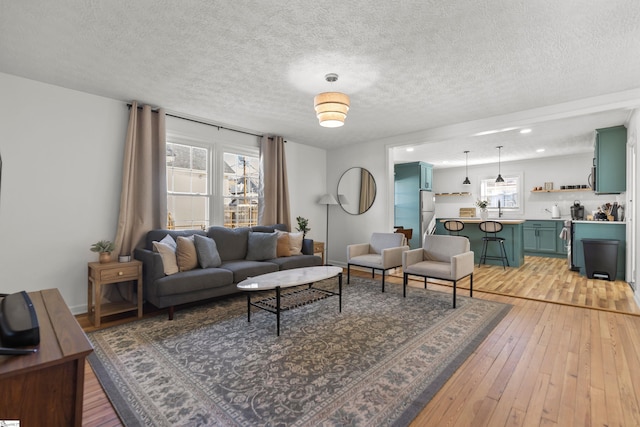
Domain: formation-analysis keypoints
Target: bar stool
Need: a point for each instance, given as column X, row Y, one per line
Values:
column 491, row 230
column 454, row 227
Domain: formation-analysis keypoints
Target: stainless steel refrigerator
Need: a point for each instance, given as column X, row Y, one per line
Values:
column 427, row 214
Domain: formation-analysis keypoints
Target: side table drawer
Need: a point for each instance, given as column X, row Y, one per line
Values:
column 120, row 274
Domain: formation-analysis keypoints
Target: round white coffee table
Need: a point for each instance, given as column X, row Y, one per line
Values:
column 289, row 279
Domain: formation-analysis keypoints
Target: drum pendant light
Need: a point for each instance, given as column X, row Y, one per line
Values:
column 466, row 168
column 499, row 178
column 331, row 107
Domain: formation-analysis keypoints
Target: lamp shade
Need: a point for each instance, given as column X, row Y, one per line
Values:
column 331, row 108
column 327, row 199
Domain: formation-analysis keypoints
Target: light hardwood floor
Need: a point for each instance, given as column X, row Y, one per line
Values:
column 567, row 354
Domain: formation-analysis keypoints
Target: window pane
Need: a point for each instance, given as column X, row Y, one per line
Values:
column 241, row 190
column 187, row 186
column 507, row 193
column 188, row 211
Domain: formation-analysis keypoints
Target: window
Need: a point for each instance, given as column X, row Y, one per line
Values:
column 241, row 186
column 188, row 194
column 505, row 195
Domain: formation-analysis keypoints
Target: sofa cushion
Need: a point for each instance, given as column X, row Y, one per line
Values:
column 297, row 261
column 159, row 234
column 283, row 247
column 269, row 228
column 243, row 268
column 207, row 251
column 295, row 241
column 186, row 254
column 168, row 255
column 231, row 242
column 262, row 246
column 192, row 281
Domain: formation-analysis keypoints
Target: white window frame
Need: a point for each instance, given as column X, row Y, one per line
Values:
column 493, row 199
column 236, row 150
column 208, row 195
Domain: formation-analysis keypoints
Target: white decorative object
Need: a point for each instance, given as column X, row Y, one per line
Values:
column 484, row 214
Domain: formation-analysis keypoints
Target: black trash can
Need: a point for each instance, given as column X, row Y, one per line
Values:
column 601, row 258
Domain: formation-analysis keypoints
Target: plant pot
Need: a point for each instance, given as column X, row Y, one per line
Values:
column 104, row 257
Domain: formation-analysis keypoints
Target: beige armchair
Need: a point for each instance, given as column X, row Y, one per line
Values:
column 383, row 252
column 441, row 257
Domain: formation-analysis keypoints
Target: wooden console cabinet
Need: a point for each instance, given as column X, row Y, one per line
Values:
column 46, row 388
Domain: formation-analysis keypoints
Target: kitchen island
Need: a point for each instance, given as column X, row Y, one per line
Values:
column 512, row 232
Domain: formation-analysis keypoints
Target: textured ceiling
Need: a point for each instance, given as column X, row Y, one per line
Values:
column 408, row 66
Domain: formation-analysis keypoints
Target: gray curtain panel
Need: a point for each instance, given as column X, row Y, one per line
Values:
column 274, row 203
column 143, row 200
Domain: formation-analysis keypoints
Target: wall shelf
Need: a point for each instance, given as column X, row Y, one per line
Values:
column 466, row 193
column 561, row 191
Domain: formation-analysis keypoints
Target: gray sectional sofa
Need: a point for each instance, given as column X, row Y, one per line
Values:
column 233, row 246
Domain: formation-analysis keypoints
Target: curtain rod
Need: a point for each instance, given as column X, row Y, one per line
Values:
column 204, row 123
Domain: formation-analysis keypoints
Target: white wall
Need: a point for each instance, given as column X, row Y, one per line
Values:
column 344, row 228
column 633, row 190
column 62, row 155
column 61, row 178
column 570, row 170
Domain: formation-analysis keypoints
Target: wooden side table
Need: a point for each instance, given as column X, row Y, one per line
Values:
column 318, row 247
column 108, row 274
column 46, row 388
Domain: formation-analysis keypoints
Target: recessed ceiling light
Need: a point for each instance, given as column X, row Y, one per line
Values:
column 410, row 149
column 489, row 132
column 525, row 131
column 540, row 150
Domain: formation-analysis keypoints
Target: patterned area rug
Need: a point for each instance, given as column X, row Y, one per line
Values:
column 377, row 363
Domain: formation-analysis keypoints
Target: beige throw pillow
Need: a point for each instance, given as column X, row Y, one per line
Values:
column 168, row 255
column 283, row 248
column 186, row 253
column 295, row 243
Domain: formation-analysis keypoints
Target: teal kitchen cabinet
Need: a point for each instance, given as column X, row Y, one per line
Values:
column 426, row 176
column 611, row 160
column 409, row 180
column 542, row 238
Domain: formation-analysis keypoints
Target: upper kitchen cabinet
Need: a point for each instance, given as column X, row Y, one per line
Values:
column 419, row 174
column 611, row 160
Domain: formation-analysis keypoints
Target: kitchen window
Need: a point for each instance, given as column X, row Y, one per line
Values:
column 504, row 196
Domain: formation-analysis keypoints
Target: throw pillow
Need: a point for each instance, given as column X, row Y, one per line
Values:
column 295, row 242
column 207, row 251
column 283, row 247
column 168, row 240
column 168, row 255
column 186, row 254
column 262, row 246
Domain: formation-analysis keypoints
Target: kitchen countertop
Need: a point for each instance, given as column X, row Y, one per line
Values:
column 479, row 220
column 598, row 222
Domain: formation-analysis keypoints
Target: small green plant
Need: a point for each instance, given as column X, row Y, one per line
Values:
column 303, row 224
column 103, row 246
column 482, row 204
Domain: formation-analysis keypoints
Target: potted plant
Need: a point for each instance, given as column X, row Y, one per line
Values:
column 104, row 248
column 303, row 224
column 483, row 204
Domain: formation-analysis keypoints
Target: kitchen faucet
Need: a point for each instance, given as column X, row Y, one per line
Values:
column 499, row 210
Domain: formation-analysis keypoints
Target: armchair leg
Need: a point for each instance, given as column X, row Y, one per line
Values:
column 348, row 273
column 404, row 284
column 471, row 286
column 382, row 280
column 454, row 293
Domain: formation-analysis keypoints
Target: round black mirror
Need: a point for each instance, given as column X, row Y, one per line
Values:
column 356, row 191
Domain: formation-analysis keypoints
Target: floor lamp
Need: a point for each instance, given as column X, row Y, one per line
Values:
column 328, row 200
